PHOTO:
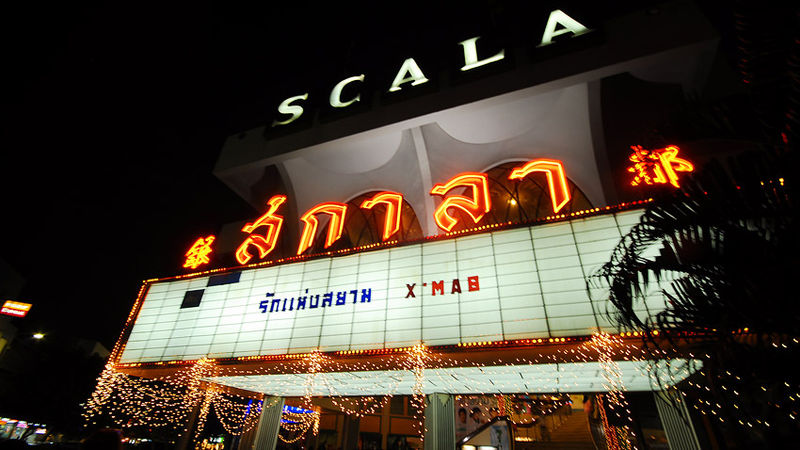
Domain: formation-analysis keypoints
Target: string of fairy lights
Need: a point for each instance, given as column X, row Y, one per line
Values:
column 169, row 401
column 307, row 417
column 615, row 396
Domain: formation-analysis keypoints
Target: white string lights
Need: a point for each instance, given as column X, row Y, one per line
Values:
column 615, row 396
column 167, row 401
column 298, row 421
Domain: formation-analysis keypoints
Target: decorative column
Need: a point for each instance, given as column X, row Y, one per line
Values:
column 268, row 424
column 440, row 426
column 676, row 420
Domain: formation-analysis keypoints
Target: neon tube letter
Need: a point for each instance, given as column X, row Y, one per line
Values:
column 337, row 212
column 265, row 244
column 394, row 203
column 556, row 179
column 475, row 207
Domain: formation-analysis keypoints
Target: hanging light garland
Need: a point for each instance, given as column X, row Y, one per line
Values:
column 235, row 417
column 615, row 396
column 418, row 359
column 298, row 421
column 164, row 402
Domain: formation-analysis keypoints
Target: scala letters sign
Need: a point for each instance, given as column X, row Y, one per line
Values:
column 411, row 74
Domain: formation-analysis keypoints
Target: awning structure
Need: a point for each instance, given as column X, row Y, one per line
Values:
column 531, row 378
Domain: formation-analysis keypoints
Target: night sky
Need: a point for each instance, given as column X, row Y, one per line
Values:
column 114, row 113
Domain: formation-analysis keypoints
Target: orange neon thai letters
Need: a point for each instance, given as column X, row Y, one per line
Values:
column 337, row 212
column 657, row 166
column 266, row 243
column 475, row 207
column 394, row 204
column 198, row 253
column 556, row 179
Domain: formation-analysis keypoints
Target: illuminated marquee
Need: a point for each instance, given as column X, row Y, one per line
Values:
column 519, row 283
column 558, row 24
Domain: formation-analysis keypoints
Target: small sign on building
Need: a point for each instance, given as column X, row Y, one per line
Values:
column 16, row 309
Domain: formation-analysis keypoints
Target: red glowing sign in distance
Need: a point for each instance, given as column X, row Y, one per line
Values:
column 658, row 166
column 198, row 253
column 16, row 309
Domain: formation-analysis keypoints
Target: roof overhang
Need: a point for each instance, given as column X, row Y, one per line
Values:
column 572, row 377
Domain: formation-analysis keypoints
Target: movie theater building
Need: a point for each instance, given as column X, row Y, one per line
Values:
column 418, row 274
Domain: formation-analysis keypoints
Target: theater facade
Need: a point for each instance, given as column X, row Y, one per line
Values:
column 420, row 271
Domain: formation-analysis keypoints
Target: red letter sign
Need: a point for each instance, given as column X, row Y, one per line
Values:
column 657, row 166
column 394, row 203
column 337, row 212
column 265, row 244
column 476, row 207
column 556, row 179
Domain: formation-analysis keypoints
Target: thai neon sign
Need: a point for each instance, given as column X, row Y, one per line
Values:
column 556, row 179
column 479, row 204
column 411, row 74
column 264, row 232
column 467, row 192
column 337, row 212
column 394, row 205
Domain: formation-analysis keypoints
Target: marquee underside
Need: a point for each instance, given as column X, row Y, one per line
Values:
column 530, row 378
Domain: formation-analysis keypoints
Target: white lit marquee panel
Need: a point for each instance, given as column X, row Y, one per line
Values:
column 510, row 284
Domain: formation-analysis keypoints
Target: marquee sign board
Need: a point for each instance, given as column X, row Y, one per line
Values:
column 520, row 283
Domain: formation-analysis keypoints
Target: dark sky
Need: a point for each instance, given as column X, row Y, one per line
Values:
column 113, row 115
